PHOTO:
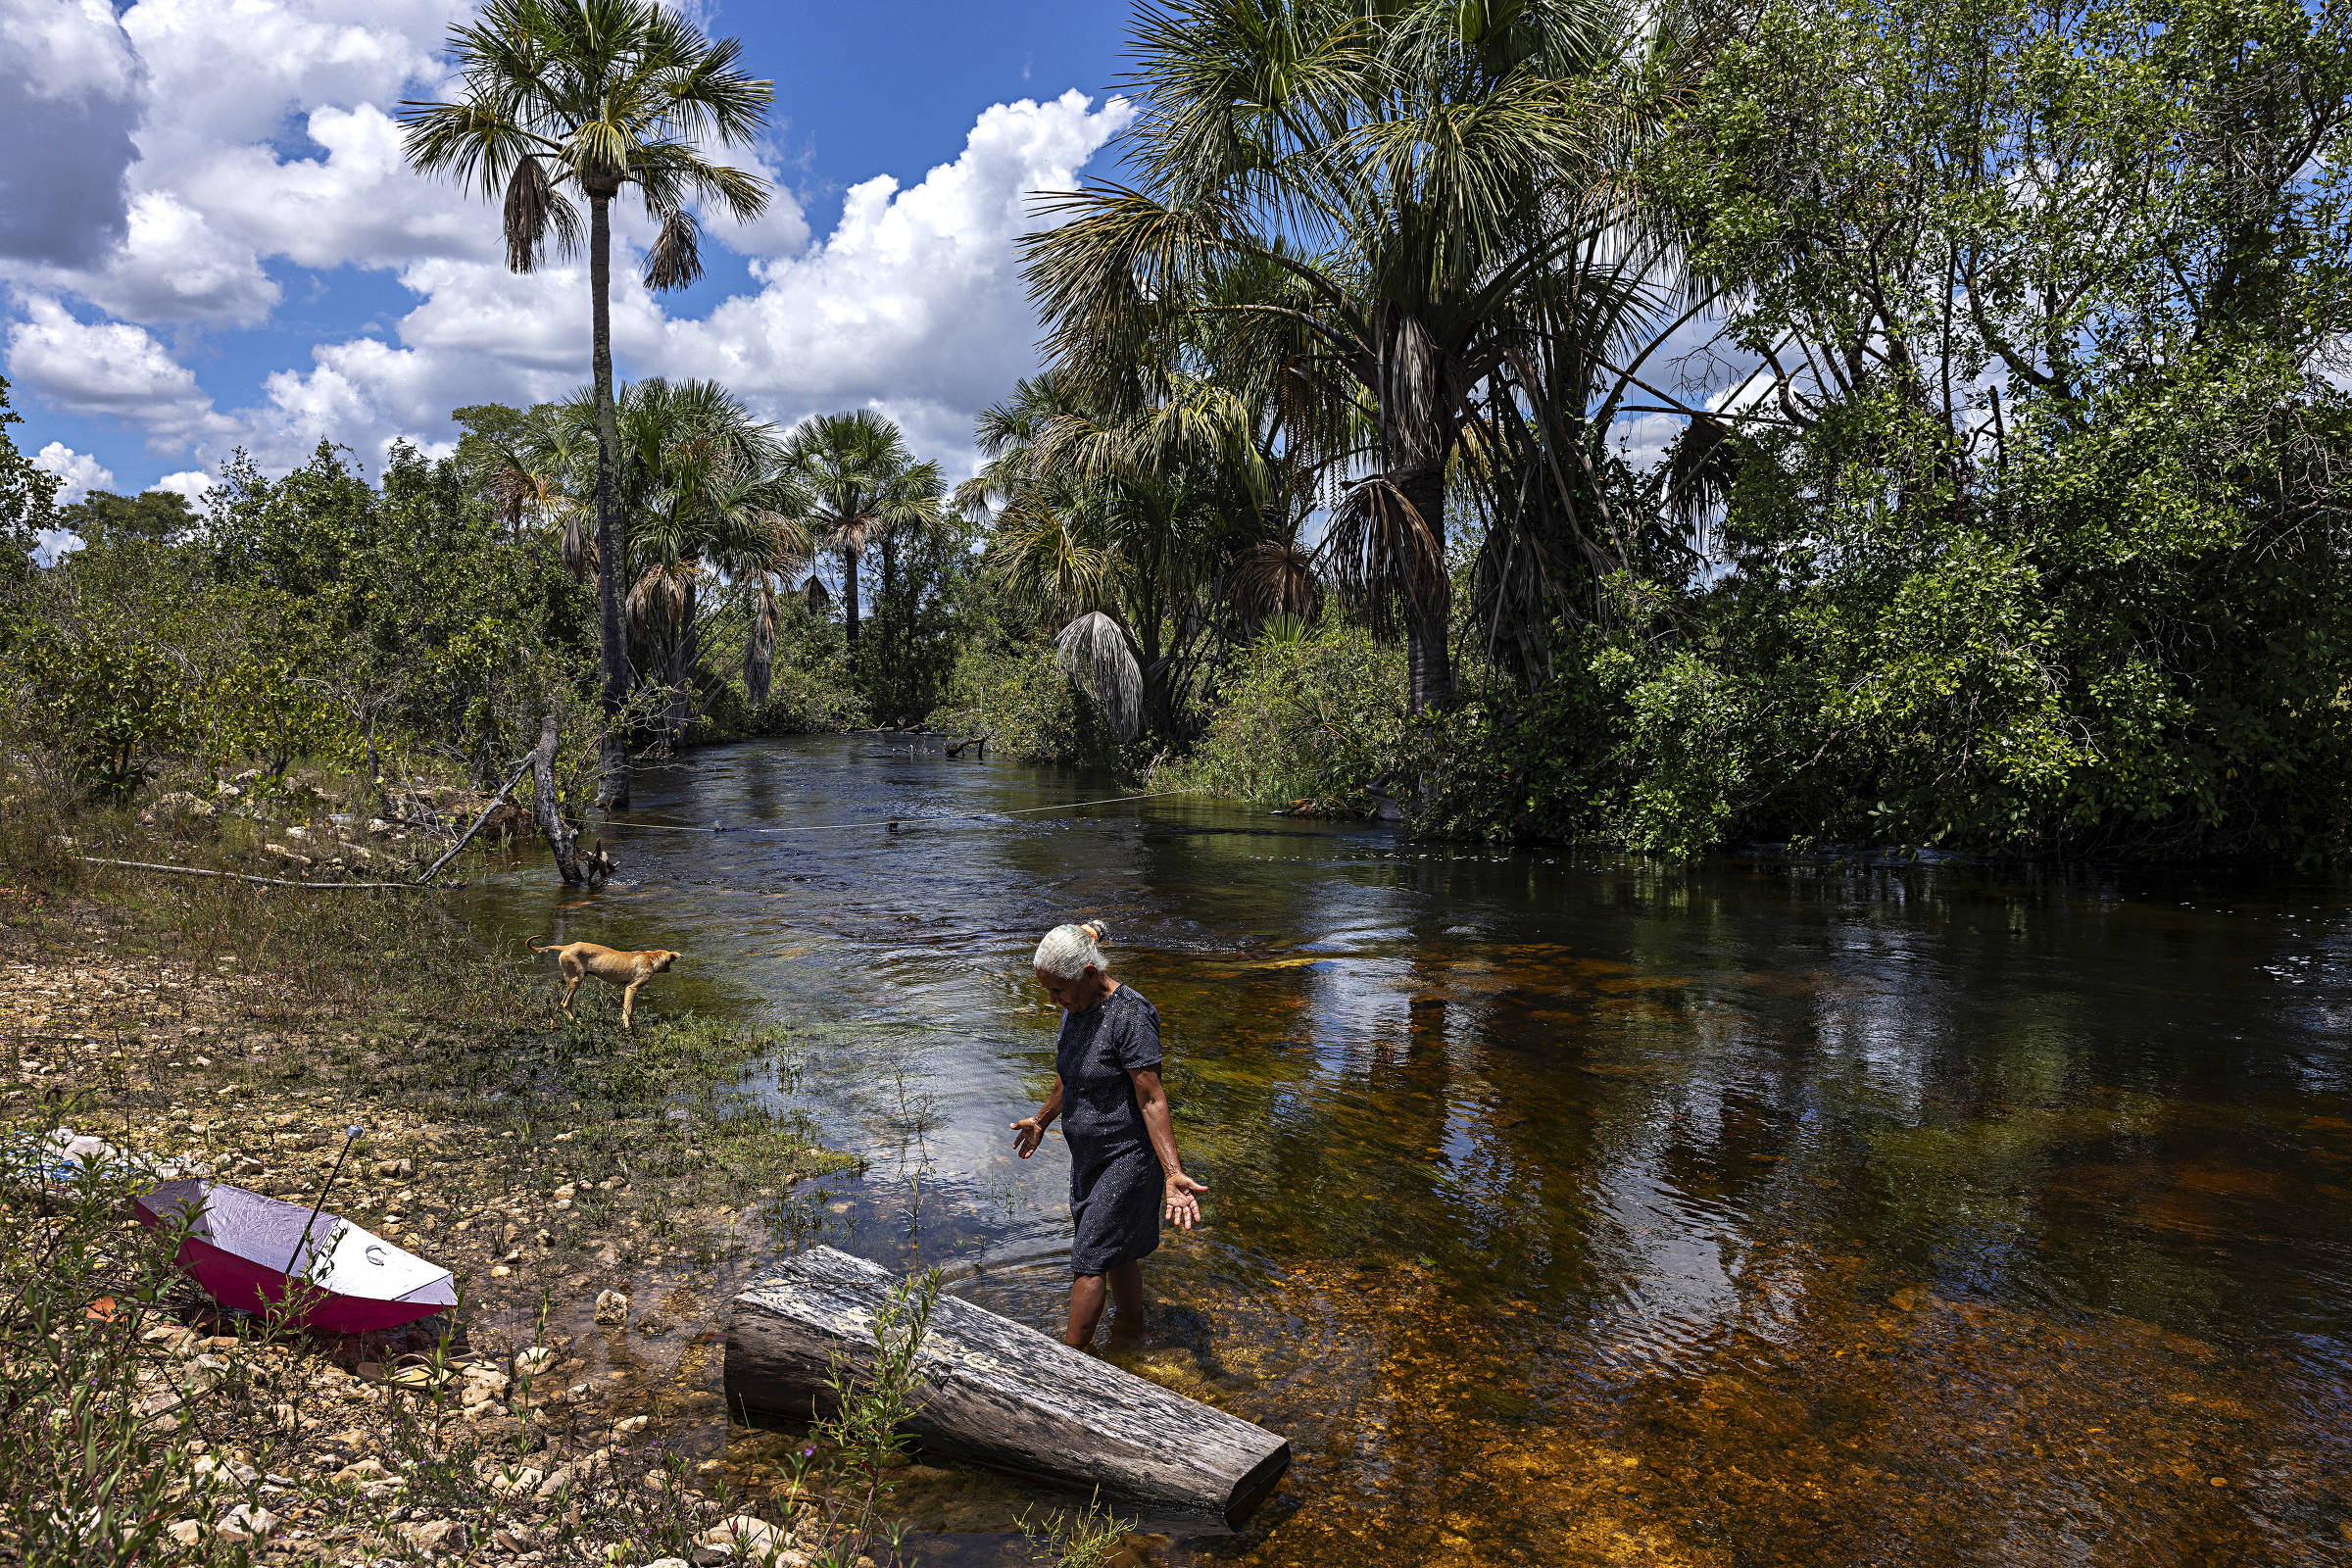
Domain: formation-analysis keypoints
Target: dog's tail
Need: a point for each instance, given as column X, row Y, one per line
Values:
column 532, row 943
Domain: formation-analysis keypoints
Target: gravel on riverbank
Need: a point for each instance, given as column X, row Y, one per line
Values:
column 589, row 1189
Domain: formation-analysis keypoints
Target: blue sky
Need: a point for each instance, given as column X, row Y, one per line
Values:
column 216, row 245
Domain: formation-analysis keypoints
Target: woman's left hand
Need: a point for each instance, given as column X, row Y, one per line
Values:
column 1183, row 1207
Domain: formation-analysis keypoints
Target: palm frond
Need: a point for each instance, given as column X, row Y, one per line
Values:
column 1094, row 650
column 676, row 257
column 1383, row 554
column 535, row 212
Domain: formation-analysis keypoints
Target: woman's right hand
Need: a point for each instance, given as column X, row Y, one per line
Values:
column 1027, row 1134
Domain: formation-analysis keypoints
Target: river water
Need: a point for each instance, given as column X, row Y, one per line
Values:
column 1570, row 1208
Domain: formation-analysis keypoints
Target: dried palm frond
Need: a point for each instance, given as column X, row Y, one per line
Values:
column 1383, row 554
column 819, row 597
column 1094, row 650
column 677, row 259
column 1275, row 578
column 658, row 603
column 579, row 540
column 536, row 212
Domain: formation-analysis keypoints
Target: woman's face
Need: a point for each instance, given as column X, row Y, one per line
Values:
column 1078, row 993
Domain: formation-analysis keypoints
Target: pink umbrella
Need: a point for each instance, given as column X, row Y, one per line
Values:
column 245, row 1249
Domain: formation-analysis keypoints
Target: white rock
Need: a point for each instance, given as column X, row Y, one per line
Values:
column 537, row 1359
column 525, row 1480
column 611, row 1306
column 742, row 1536
column 630, row 1426
column 246, row 1524
column 185, row 1532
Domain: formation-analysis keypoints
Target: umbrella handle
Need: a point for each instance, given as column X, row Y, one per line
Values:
column 351, row 1137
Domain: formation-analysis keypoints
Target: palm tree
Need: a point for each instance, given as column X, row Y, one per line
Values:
column 1146, row 507
column 858, row 484
column 537, row 473
column 701, row 484
column 557, row 96
column 1387, row 174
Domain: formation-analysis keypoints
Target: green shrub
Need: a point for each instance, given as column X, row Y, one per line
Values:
column 809, row 701
column 1315, row 715
column 1026, row 703
column 809, row 691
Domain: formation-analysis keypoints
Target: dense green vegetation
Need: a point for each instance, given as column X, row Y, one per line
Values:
column 1995, row 354
column 1904, row 422
column 425, row 621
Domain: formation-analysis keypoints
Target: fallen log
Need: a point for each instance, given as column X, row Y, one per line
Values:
column 998, row 1393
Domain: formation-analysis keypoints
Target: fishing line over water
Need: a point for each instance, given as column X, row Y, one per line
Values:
column 895, row 821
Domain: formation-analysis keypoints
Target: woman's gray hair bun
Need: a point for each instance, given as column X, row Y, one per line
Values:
column 1069, row 951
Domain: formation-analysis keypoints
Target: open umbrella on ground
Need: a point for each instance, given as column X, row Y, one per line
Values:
column 246, row 1251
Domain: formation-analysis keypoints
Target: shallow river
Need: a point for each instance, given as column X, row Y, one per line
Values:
column 1566, row 1208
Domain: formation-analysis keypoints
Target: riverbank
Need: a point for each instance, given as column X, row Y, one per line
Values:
column 591, row 1190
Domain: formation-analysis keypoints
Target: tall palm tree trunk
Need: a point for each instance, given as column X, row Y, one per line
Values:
column 612, row 781
column 685, row 656
column 848, row 597
column 894, row 647
column 1428, row 611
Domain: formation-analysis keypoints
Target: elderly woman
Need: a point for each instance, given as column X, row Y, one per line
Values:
column 1124, row 1172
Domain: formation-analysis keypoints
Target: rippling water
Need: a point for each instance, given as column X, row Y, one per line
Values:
column 1569, row 1208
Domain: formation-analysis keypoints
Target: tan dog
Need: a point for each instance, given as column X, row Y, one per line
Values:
column 628, row 970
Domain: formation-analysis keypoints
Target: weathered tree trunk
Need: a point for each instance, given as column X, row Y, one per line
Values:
column 612, row 782
column 998, row 1393
column 1427, row 613
column 560, row 836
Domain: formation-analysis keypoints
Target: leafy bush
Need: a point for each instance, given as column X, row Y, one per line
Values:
column 1315, row 715
column 1026, row 703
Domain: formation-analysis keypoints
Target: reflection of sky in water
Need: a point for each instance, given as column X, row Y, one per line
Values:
column 1673, row 1291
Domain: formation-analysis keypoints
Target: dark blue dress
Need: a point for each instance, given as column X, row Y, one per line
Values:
column 1118, row 1188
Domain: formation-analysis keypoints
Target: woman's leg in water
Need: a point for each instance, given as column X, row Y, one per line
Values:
column 1127, row 1295
column 1086, row 1304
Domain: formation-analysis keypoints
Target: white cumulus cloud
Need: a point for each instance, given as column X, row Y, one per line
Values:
column 77, row 472
column 914, row 305
column 109, row 368
column 194, row 151
column 189, row 486
column 915, row 300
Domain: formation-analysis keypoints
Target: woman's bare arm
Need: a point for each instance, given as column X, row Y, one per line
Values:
column 1151, row 1096
column 1030, row 1131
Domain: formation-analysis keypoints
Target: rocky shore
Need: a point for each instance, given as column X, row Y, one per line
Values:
column 568, row 1409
